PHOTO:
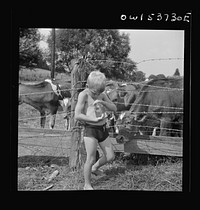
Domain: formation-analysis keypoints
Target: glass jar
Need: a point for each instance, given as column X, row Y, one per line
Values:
column 98, row 109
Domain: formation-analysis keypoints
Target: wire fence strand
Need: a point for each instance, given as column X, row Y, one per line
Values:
column 160, row 88
column 157, row 88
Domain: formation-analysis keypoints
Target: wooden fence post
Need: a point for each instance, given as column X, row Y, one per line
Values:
column 53, row 53
column 77, row 156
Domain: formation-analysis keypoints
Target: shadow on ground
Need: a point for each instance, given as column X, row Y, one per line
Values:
column 33, row 161
column 109, row 177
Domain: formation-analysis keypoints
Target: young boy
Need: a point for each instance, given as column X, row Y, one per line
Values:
column 90, row 109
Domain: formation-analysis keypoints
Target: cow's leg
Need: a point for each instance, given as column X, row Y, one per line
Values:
column 154, row 131
column 52, row 121
column 42, row 118
column 53, row 111
column 66, row 123
column 165, row 126
column 69, row 125
column 140, row 132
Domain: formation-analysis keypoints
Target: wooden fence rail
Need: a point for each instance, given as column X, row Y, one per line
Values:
column 58, row 143
column 54, row 142
column 156, row 145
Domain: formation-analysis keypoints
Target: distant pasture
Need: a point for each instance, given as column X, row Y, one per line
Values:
column 37, row 74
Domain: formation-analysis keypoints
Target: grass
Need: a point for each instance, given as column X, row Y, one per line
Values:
column 122, row 175
column 37, row 74
column 119, row 175
column 30, row 117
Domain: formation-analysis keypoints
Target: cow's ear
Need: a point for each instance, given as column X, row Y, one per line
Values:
column 110, row 83
column 131, row 116
column 122, row 84
column 121, row 116
column 138, row 86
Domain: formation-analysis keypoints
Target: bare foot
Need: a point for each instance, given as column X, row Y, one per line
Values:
column 89, row 187
column 97, row 172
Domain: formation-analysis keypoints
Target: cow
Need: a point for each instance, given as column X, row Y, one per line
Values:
column 158, row 105
column 45, row 97
column 122, row 95
column 66, row 106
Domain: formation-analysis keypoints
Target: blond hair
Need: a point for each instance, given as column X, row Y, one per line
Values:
column 96, row 81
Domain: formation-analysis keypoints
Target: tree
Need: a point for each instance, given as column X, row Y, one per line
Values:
column 177, row 73
column 160, row 76
column 152, row 76
column 139, row 76
column 29, row 52
column 100, row 47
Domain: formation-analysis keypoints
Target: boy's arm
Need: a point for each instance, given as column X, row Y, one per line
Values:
column 79, row 108
column 108, row 103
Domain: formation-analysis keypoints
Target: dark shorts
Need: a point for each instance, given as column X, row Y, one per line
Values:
column 98, row 132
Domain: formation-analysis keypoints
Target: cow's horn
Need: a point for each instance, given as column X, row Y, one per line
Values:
column 135, row 117
column 143, row 118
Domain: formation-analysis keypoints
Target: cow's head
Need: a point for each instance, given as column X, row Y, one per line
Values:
column 112, row 93
column 125, row 127
column 131, row 92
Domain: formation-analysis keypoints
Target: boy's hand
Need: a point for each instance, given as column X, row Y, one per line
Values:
column 97, row 101
column 101, row 117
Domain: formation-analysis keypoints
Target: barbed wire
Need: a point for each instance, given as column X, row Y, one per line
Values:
column 149, row 105
column 59, row 145
column 146, row 126
column 105, row 60
column 80, row 127
column 120, row 125
column 136, row 63
column 108, row 127
column 156, row 120
column 159, row 59
column 143, row 82
column 46, row 115
column 118, row 112
column 158, row 87
column 28, row 145
column 70, row 89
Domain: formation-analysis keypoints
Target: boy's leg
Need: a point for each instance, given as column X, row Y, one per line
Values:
column 108, row 154
column 91, row 147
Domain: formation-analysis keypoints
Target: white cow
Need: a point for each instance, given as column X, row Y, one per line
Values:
column 66, row 105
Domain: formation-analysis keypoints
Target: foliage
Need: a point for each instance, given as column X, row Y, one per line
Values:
column 152, row 76
column 176, row 73
column 29, row 52
column 37, row 74
column 103, row 49
column 139, row 76
column 97, row 46
column 158, row 76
